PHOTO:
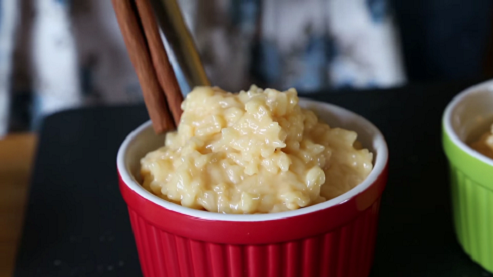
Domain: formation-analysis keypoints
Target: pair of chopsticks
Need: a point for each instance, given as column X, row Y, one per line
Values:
column 162, row 94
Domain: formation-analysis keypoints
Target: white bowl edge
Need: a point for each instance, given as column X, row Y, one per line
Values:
column 379, row 145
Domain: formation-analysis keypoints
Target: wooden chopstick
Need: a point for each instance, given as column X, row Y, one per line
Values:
column 140, row 57
column 164, row 71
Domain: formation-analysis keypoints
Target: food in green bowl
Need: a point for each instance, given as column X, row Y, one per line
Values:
column 484, row 144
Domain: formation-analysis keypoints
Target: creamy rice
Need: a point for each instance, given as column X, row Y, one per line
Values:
column 253, row 152
column 485, row 144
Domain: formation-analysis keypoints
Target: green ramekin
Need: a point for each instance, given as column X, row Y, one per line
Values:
column 471, row 173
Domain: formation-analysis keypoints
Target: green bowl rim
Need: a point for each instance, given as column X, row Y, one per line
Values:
column 446, row 120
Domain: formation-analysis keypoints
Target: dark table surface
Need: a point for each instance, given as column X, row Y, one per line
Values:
column 77, row 224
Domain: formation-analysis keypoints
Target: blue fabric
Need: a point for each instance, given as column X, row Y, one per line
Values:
column 378, row 9
column 62, row 2
column 244, row 13
column 315, row 60
column 266, row 63
column 272, row 67
column 2, row 54
column 1, row 12
column 441, row 39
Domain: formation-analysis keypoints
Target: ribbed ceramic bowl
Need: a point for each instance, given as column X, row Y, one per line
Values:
column 333, row 238
column 471, row 172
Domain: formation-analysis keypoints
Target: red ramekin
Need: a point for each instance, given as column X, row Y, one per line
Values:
column 333, row 238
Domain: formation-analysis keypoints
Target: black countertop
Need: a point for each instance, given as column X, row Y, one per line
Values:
column 77, row 223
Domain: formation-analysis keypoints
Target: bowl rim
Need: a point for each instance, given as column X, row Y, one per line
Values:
column 380, row 165
column 447, row 120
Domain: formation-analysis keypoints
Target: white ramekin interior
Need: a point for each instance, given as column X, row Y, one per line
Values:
column 468, row 111
column 143, row 140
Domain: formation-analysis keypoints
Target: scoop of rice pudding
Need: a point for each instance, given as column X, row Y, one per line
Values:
column 256, row 151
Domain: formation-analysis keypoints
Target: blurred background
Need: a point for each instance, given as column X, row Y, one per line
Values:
column 61, row 54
